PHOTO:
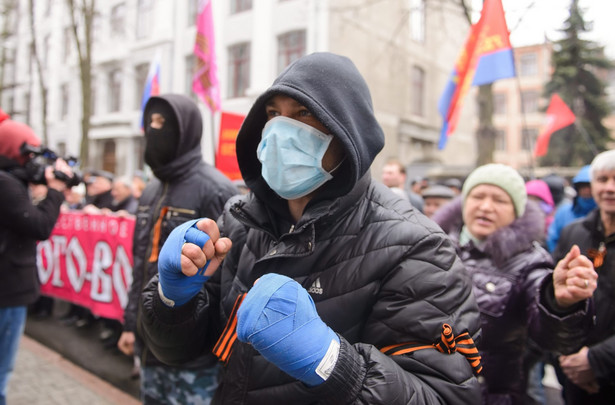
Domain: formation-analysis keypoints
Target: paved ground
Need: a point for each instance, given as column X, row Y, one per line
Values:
column 82, row 347
column 43, row 376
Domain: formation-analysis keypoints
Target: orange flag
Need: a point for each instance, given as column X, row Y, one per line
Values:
column 558, row 117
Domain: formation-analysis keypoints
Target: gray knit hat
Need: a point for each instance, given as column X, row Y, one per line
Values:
column 505, row 177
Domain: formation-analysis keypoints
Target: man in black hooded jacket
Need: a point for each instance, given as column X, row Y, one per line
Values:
column 359, row 299
column 184, row 187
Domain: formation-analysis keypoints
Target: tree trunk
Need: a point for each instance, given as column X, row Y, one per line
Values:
column 485, row 135
column 41, row 76
column 84, row 52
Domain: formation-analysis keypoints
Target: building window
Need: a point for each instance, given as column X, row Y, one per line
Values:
column 528, row 138
column 48, row 8
column 291, row 46
column 109, row 160
column 117, row 20
column 115, row 90
column 237, row 6
column 145, row 17
column 93, row 95
column 140, row 152
column 68, row 41
column 417, row 20
column 97, row 25
column 193, row 11
column 10, row 65
column 10, row 104
column 141, row 72
column 500, row 140
column 64, row 91
column 46, row 45
column 528, row 64
column 190, row 67
column 239, row 70
column 418, row 91
column 499, row 103
column 529, row 102
column 27, row 99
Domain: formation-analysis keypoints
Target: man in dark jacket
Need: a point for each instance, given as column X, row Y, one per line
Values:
column 356, row 288
column 184, row 188
column 21, row 225
column 590, row 373
column 98, row 194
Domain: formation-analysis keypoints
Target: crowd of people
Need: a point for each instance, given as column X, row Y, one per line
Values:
column 317, row 283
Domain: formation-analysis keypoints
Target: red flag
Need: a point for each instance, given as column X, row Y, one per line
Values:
column 205, row 80
column 226, row 158
column 558, row 117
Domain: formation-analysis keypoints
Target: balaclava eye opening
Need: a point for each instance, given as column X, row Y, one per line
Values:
column 161, row 144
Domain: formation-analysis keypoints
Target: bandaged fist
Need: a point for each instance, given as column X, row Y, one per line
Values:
column 190, row 255
column 279, row 319
column 574, row 278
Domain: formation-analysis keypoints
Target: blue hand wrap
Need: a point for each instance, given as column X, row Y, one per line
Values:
column 176, row 287
column 279, row 319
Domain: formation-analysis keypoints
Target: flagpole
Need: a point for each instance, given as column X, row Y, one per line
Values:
column 213, row 136
column 586, row 136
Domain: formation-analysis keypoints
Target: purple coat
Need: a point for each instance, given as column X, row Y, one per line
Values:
column 512, row 283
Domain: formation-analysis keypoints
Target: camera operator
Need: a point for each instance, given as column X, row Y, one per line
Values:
column 21, row 224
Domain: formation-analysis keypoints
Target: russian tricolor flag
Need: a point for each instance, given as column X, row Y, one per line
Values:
column 486, row 57
column 152, row 84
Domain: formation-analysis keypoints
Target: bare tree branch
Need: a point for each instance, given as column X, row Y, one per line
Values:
column 39, row 68
column 83, row 42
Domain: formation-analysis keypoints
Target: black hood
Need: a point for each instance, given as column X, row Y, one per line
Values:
column 190, row 125
column 334, row 91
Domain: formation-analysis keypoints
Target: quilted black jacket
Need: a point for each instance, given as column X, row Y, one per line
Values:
column 380, row 273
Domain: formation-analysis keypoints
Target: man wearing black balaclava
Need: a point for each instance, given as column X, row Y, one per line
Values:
column 184, row 188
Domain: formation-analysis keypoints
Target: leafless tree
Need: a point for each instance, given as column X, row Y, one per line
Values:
column 8, row 16
column 82, row 21
column 39, row 69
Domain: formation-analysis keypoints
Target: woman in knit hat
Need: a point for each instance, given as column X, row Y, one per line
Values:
column 519, row 294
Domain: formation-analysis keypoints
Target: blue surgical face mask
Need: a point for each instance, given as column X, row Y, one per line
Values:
column 291, row 153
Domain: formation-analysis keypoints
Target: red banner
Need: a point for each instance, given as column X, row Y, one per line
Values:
column 87, row 260
column 226, row 157
column 558, row 117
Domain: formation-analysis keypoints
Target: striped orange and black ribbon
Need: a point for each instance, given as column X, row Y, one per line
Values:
column 448, row 343
column 224, row 346
column 156, row 237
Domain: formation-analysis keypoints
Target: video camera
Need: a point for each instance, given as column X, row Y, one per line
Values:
column 40, row 158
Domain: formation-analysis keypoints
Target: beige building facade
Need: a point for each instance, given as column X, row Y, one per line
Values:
column 405, row 49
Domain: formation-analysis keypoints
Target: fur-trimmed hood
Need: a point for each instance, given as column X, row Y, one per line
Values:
column 504, row 243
